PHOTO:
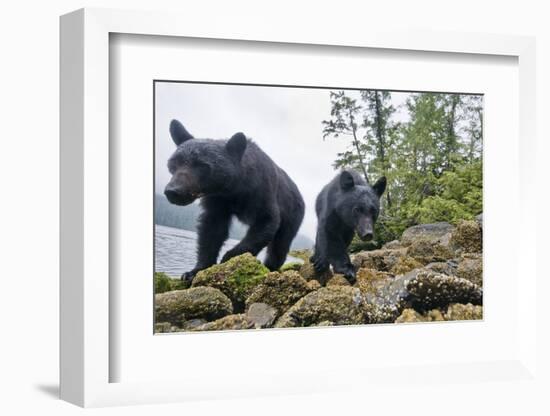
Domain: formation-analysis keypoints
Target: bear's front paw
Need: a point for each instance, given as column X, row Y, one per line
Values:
column 234, row 252
column 188, row 276
column 349, row 273
column 320, row 265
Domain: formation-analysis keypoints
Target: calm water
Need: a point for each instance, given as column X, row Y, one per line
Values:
column 176, row 250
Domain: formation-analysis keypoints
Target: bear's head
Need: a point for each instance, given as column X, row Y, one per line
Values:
column 202, row 167
column 360, row 203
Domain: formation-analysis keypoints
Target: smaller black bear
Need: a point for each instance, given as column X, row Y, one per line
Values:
column 346, row 205
column 234, row 177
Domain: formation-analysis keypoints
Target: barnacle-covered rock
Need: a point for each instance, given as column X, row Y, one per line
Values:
column 410, row 315
column 404, row 265
column 429, row 290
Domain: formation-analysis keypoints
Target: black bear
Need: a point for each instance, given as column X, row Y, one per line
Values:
column 346, row 205
column 234, row 177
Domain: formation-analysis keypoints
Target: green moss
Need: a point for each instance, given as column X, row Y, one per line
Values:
column 165, row 283
column 235, row 278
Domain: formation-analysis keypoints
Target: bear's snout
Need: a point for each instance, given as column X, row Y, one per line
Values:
column 366, row 236
column 179, row 198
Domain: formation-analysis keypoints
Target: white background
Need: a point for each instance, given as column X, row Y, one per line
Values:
column 29, row 225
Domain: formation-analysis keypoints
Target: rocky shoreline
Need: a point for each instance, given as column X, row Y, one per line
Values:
column 433, row 273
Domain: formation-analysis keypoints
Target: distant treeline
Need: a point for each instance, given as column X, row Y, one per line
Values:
column 186, row 217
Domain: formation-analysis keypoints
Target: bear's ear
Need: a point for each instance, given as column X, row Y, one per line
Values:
column 346, row 180
column 178, row 132
column 380, row 186
column 236, row 145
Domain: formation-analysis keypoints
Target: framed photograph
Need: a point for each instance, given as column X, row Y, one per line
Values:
column 236, row 210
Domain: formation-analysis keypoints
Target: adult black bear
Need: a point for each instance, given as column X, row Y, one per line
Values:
column 346, row 205
column 234, row 178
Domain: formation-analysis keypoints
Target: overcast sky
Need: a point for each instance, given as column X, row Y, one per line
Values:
column 284, row 122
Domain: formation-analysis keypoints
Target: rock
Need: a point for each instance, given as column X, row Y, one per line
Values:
column 448, row 267
column 382, row 259
column 371, row 280
column 338, row 280
column 324, row 323
column 404, row 265
column 342, row 305
column 313, row 285
column 429, row 290
column 460, row 312
column 236, row 278
column 279, row 290
column 471, row 268
column 163, row 327
column 467, row 237
column 425, row 232
column 262, row 315
column 479, row 219
column 392, row 245
column 199, row 302
column 291, row 266
column 308, row 272
column 410, row 315
column 192, row 324
column 229, row 322
column 426, row 252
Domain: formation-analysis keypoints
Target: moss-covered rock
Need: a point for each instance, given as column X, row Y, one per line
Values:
column 200, row 302
column 429, row 290
column 293, row 266
column 382, row 259
column 229, row 322
column 165, row 283
column 392, row 245
column 338, row 280
column 404, row 265
column 461, row 312
column 236, row 278
column 471, row 268
column 425, row 232
column 279, row 290
column 342, row 305
column 262, row 315
column 467, row 237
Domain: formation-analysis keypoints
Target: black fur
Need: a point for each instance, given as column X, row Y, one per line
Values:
column 234, row 178
column 345, row 205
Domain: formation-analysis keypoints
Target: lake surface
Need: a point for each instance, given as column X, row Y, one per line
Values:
column 176, row 250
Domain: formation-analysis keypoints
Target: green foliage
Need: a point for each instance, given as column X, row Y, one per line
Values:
column 432, row 159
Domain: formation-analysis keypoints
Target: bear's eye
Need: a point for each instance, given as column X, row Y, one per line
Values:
column 201, row 167
column 360, row 210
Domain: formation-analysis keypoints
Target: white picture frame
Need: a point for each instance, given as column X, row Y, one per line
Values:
column 85, row 265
